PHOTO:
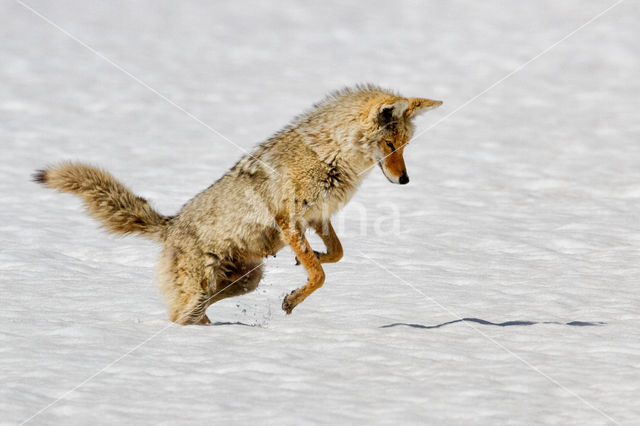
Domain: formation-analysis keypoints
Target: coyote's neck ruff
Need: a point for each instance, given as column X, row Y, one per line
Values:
column 214, row 247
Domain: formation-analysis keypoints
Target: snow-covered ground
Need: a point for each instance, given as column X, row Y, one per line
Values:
column 523, row 208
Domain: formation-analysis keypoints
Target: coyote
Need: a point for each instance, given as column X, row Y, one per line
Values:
column 294, row 181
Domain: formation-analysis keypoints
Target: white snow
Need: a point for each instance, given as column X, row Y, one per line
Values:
column 523, row 206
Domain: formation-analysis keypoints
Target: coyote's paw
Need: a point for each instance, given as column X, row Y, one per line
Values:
column 288, row 303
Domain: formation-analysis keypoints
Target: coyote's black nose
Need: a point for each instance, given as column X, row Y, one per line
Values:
column 403, row 179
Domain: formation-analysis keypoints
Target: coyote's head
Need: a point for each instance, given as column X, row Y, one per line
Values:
column 390, row 121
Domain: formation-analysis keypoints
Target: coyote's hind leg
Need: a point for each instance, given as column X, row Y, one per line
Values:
column 186, row 285
column 241, row 279
column 190, row 284
column 204, row 320
column 192, row 303
column 191, row 309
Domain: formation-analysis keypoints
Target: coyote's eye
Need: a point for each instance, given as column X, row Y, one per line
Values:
column 390, row 145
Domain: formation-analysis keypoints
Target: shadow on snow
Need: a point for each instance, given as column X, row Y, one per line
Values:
column 220, row 323
column 497, row 324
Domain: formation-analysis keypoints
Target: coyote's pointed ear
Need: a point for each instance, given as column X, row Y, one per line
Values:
column 386, row 113
column 419, row 105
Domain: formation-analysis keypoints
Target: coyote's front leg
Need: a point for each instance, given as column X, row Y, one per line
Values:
column 294, row 236
column 330, row 240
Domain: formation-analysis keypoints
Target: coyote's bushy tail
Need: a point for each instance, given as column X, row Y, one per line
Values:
column 109, row 201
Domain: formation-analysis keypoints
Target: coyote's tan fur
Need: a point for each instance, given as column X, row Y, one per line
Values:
column 215, row 246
